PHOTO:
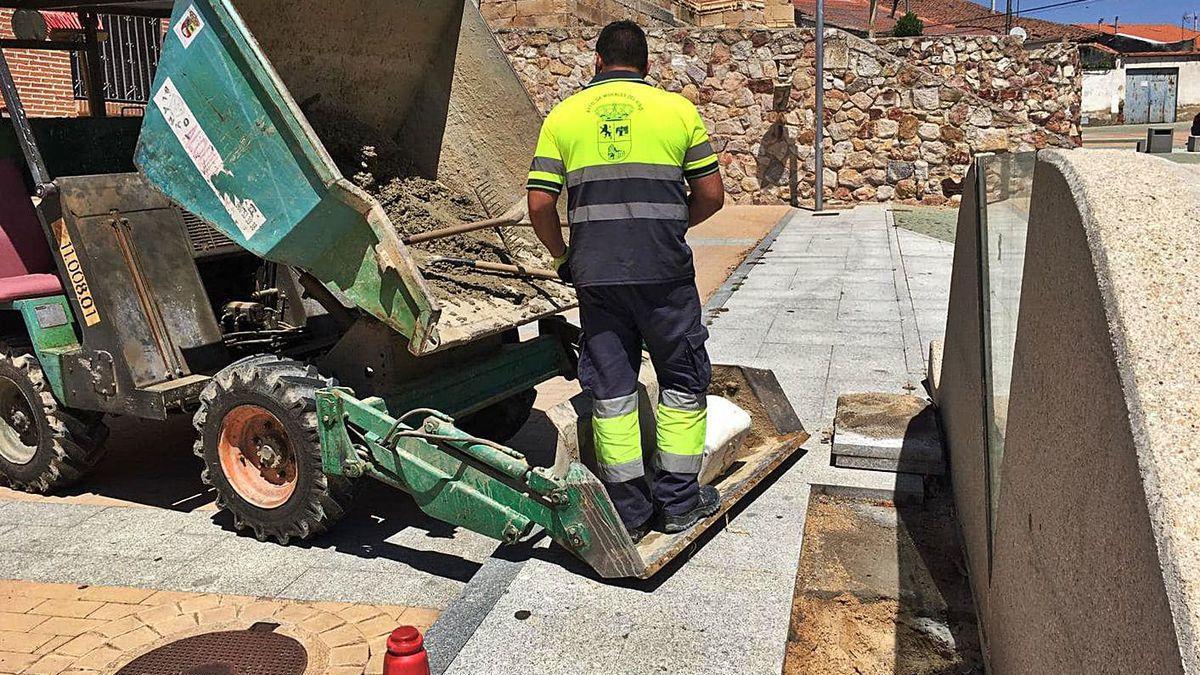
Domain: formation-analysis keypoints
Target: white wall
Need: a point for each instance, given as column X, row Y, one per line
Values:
column 1100, row 86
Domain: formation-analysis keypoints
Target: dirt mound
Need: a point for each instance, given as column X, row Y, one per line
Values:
column 415, row 204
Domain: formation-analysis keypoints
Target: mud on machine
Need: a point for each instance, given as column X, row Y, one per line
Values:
column 210, row 258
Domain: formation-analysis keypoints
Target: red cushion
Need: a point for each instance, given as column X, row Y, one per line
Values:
column 23, row 246
column 29, row 286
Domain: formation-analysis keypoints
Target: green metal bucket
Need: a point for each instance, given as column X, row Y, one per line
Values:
column 225, row 138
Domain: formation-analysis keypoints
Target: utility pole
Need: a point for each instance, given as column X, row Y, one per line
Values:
column 819, row 117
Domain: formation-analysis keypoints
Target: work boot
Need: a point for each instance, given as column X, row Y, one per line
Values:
column 639, row 533
column 707, row 503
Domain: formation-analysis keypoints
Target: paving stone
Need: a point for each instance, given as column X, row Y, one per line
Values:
column 34, row 513
column 58, row 625
column 401, row 588
column 238, row 567
column 53, row 644
column 350, row 655
column 865, row 361
column 322, row 622
column 173, row 625
column 199, row 603
column 99, row 658
column 883, row 309
column 110, row 594
column 82, row 644
column 344, row 634
column 22, row 641
column 13, row 621
column 120, row 627
column 217, row 615
column 62, row 607
column 260, row 610
column 15, row 662
column 134, row 639
column 895, row 432
column 50, row 664
column 112, row 611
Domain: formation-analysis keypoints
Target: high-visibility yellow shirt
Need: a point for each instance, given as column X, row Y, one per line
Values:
column 623, row 148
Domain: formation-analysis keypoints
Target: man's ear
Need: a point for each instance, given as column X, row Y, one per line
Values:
column 599, row 64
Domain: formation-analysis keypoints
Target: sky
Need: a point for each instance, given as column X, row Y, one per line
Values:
column 1131, row 11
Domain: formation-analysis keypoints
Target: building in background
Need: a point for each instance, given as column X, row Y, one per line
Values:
column 54, row 83
column 1140, row 74
column 941, row 17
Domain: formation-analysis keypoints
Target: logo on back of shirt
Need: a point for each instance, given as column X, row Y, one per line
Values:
column 614, row 131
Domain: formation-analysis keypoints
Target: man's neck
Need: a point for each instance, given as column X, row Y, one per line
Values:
column 624, row 70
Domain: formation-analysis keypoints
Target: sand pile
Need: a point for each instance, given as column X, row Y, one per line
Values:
column 416, row 205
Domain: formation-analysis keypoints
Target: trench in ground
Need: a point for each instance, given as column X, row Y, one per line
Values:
column 882, row 590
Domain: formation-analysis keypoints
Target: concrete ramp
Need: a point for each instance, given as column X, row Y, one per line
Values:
column 1078, row 484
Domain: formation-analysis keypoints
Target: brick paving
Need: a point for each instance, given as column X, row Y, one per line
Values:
column 53, row 629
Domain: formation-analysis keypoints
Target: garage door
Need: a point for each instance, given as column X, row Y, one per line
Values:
column 1150, row 95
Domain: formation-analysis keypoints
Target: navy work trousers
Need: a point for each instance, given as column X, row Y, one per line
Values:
column 617, row 320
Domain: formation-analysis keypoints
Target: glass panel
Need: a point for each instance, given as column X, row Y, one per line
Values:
column 1005, row 184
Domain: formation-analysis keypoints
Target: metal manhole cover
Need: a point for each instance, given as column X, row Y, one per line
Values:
column 257, row 651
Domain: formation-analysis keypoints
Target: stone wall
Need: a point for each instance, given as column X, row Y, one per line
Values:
column 649, row 13
column 895, row 130
column 569, row 13
column 1045, row 83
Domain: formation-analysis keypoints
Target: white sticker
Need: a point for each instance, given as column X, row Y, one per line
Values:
column 205, row 157
column 189, row 26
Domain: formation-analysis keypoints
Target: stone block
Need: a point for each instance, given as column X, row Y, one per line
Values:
column 887, row 432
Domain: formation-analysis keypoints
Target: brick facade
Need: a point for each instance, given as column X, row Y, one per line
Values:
column 43, row 77
column 45, row 83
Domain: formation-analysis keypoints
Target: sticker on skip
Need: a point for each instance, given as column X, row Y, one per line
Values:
column 206, row 158
column 189, row 26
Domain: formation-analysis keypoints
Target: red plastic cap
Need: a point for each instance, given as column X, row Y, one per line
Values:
column 405, row 640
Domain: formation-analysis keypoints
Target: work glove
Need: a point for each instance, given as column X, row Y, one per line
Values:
column 562, row 265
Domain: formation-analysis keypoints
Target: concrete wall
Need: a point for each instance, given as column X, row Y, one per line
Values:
column 1100, row 87
column 1095, row 560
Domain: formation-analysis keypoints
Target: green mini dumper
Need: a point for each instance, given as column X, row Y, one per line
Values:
column 210, row 258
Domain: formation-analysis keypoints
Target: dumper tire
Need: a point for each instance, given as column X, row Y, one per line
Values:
column 56, row 446
column 273, row 400
column 502, row 420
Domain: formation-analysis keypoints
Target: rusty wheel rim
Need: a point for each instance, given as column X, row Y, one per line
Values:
column 257, row 456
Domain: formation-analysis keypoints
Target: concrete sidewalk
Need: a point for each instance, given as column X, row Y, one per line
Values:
column 835, row 304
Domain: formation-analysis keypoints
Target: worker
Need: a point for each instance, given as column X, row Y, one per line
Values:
column 627, row 153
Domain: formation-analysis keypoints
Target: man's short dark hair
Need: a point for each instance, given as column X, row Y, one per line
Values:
column 623, row 43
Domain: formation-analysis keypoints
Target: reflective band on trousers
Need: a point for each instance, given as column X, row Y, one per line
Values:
column 682, row 400
column 618, row 438
column 630, row 210
column 681, row 438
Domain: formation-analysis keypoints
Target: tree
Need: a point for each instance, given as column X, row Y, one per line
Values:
column 909, row 25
